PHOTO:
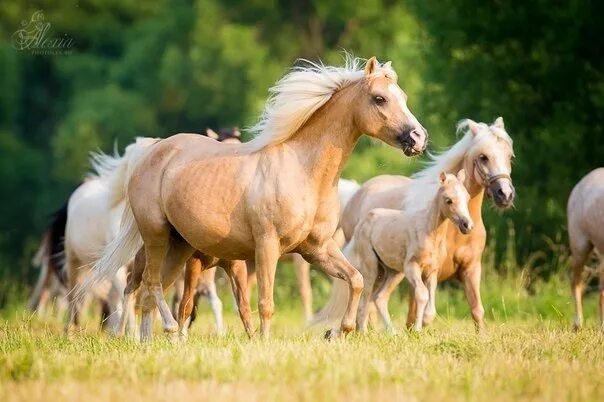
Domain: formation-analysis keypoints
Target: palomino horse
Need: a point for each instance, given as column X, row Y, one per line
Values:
column 485, row 153
column 277, row 193
column 93, row 220
column 585, row 223
column 411, row 242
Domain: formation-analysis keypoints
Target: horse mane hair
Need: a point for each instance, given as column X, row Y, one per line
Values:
column 425, row 181
column 300, row 93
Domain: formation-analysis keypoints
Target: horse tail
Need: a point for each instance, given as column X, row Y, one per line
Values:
column 123, row 248
column 335, row 307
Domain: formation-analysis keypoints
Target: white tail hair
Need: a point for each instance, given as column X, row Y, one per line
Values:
column 126, row 244
column 334, row 309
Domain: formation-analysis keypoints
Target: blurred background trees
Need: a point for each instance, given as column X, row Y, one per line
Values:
column 156, row 68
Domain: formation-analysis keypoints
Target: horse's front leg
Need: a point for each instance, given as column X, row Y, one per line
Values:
column 267, row 255
column 471, row 282
column 303, row 276
column 430, row 313
column 413, row 273
column 330, row 259
column 237, row 272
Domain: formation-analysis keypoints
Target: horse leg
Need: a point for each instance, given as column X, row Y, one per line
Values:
column 177, row 296
column 471, row 282
column 579, row 256
column 430, row 313
column 40, row 295
column 135, row 277
column 267, row 256
column 414, row 276
column 178, row 253
column 412, row 311
column 238, row 275
column 303, row 275
column 73, row 265
column 208, row 282
column 192, row 272
column 252, row 279
column 368, row 264
column 332, row 262
column 382, row 296
column 114, row 302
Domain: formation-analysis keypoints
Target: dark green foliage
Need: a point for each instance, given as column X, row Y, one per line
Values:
column 155, row 68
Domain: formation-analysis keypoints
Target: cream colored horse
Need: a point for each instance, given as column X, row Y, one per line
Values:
column 259, row 200
column 585, row 231
column 485, row 153
column 412, row 242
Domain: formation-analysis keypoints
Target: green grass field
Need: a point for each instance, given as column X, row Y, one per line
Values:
column 528, row 353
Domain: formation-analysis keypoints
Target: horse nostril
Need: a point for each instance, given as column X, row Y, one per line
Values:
column 501, row 194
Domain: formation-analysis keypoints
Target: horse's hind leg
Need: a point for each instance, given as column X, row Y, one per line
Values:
column 191, row 279
column 382, row 296
column 135, row 277
column 73, row 273
column 303, row 275
column 580, row 250
column 238, row 275
column 207, row 285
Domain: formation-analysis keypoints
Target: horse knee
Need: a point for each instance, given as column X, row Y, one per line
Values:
column 267, row 308
column 356, row 282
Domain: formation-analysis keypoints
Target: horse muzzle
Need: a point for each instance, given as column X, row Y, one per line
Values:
column 413, row 140
column 502, row 192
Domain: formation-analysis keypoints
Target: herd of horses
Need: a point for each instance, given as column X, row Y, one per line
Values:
column 169, row 211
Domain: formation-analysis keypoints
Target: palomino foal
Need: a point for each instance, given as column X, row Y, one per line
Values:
column 585, row 212
column 277, row 193
column 412, row 242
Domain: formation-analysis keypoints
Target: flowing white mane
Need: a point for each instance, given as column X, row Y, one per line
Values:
column 299, row 94
column 425, row 182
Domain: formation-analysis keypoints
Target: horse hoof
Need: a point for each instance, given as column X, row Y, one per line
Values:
column 331, row 335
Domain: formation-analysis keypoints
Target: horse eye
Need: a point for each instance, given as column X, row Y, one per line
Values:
column 483, row 158
column 379, row 100
column 449, row 201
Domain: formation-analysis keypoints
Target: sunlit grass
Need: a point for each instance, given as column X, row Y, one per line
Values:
column 529, row 352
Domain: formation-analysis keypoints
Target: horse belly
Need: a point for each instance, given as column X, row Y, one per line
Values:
column 206, row 205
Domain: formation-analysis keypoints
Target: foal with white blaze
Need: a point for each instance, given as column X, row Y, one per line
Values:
column 412, row 242
column 278, row 192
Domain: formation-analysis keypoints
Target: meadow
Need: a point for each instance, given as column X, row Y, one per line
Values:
column 529, row 352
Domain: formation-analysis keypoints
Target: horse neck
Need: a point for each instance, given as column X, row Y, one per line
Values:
column 436, row 224
column 476, row 191
column 327, row 139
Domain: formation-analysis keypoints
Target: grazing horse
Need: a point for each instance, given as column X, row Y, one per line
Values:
column 585, row 213
column 411, row 243
column 259, row 200
column 485, row 152
column 93, row 220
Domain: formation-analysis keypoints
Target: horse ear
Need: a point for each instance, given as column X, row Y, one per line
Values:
column 474, row 127
column 461, row 176
column 236, row 132
column 371, row 66
column 212, row 134
column 499, row 123
column 442, row 178
column 387, row 65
